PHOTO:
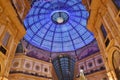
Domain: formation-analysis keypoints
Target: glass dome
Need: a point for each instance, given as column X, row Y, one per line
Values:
column 58, row 25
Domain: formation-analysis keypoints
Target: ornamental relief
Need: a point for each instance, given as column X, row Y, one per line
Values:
column 16, row 64
column 45, row 69
column 37, row 67
column 28, row 64
column 1, row 10
column 0, row 68
column 4, row 19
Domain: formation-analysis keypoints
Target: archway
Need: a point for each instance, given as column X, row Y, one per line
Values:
column 116, row 63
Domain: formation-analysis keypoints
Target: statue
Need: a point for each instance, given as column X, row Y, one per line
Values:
column 82, row 76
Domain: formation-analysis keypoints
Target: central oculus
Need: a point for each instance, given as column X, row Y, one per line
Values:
column 60, row 17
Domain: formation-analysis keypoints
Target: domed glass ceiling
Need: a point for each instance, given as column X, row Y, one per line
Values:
column 58, row 25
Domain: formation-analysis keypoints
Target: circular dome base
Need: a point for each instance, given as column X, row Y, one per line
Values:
column 60, row 17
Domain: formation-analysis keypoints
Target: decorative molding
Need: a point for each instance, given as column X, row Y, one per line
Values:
column 32, row 66
column 45, row 69
column 16, row 63
column 96, row 61
column 28, row 64
column 37, row 67
column 82, row 65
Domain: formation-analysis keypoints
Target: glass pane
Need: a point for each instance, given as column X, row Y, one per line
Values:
column 60, row 22
column 5, row 39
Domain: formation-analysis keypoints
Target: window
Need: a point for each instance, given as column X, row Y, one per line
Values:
column 107, row 42
column 117, row 3
column 46, row 70
column 99, row 61
column 37, row 67
column 3, row 50
column 82, row 67
column 6, row 39
column 27, row 65
column 103, row 31
column 90, row 64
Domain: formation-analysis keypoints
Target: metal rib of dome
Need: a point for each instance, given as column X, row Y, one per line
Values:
column 58, row 25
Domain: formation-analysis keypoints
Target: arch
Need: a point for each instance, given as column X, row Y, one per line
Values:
column 113, row 51
column 116, row 63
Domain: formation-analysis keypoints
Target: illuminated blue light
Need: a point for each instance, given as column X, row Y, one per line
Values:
column 58, row 25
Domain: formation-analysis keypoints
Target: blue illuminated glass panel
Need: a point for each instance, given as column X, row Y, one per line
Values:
column 58, row 25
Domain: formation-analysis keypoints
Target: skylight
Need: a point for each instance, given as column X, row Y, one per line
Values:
column 58, row 25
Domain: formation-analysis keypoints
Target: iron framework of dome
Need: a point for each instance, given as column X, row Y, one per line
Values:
column 58, row 25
